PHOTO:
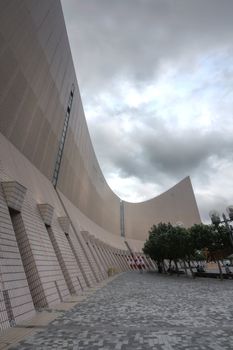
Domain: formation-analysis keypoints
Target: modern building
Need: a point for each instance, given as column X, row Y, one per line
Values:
column 61, row 226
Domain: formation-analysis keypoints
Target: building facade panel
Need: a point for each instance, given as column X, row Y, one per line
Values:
column 15, row 298
column 177, row 205
column 41, row 73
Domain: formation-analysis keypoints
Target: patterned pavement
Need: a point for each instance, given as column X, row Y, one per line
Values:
column 145, row 311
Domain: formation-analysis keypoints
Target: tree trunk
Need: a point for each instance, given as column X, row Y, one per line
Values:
column 160, row 270
column 163, row 265
column 177, row 269
column 169, row 267
column 190, row 268
column 185, row 268
column 220, row 270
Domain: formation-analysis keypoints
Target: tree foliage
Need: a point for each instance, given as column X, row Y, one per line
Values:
column 175, row 243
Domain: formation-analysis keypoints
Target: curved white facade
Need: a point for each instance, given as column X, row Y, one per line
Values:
column 37, row 85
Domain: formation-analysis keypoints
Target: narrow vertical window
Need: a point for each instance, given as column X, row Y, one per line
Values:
column 63, row 139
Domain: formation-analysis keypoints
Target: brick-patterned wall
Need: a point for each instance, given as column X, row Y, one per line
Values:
column 79, row 223
column 123, row 259
column 109, row 256
column 4, row 319
column 66, row 258
column 112, row 253
column 88, row 276
column 104, row 259
column 45, row 259
column 44, row 264
column 12, row 275
column 116, row 255
column 103, row 265
column 93, row 269
column 29, row 264
column 94, row 257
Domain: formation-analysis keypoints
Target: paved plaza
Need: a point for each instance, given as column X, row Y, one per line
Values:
column 145, row 311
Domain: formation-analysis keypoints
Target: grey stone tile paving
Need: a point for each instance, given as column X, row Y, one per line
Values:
column 145, row 311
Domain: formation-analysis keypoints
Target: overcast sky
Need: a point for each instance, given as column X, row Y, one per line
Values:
column 156, row 79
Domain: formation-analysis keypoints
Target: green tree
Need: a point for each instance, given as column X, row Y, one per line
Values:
column 175, row 243
column 156, row 246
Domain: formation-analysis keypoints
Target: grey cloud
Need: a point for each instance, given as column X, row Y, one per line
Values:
column 177, row 154
column 135, row 37
column 154, row 152
column 208, row 203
